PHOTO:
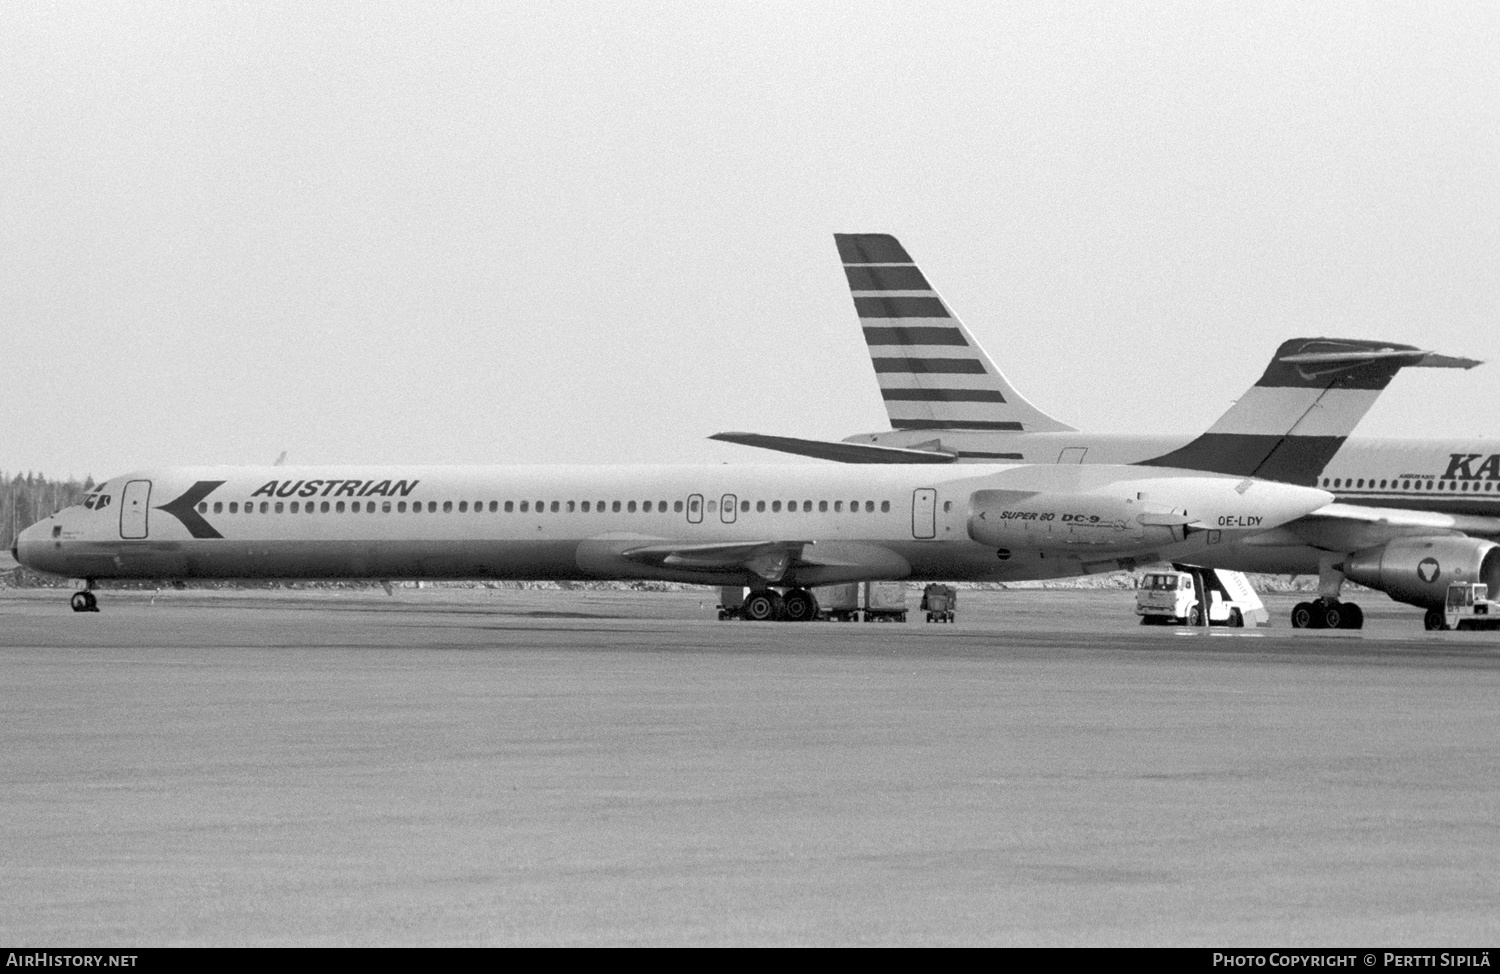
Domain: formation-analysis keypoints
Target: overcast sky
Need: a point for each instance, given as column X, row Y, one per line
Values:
column 598, row 232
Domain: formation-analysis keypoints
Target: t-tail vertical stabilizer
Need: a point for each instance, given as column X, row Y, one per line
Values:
column 1289, row 424
column 932, row 373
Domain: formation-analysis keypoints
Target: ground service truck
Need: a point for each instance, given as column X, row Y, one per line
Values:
column 1177, row 597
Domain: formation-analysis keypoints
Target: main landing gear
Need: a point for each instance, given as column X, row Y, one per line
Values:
column 84, row 601
column 765, row 605
column 1326, row 613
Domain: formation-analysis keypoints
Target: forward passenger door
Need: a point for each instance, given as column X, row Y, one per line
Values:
column 134, row 505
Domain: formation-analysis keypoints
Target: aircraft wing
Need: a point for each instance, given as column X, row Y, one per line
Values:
column 1346, row 527
column 774, row 561
column 836, row 451
column 768, row 559
column 1402, row 517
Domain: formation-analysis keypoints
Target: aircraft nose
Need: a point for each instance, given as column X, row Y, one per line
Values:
column 24, row 547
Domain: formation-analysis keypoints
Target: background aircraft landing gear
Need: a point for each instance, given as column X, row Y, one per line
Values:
column 1327, row 614
column 762, row 605
column 84, row 602
column 799, row 605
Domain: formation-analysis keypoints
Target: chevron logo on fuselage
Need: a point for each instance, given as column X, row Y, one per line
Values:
column 184, row 509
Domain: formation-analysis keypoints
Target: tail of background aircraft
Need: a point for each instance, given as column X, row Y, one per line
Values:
column 932, row 373
column 1288, row 425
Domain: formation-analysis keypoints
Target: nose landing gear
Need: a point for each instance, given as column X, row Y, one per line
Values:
column 83, row 600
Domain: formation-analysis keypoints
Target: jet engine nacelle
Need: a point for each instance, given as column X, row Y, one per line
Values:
column 1418, row 571
column 1126, row 514
column 1016, row 519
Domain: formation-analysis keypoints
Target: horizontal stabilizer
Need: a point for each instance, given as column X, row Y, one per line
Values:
column 1409, row 358
column 839, row 452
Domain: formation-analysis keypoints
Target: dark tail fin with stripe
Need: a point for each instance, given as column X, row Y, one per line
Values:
column 1288, row 425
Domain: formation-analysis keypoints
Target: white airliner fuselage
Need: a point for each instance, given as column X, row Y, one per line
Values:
column 755, row 525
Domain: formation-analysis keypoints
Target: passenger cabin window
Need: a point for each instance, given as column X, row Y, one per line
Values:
column 677, row 507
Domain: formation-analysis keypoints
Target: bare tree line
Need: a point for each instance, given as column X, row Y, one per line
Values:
column 27, row 499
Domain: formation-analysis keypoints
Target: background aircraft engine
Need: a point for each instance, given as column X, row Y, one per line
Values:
column 1018, row 519
column 1417, row 571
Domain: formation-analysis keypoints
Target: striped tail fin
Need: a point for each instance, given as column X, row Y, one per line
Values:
column 932, row 373
column 1289, row 424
